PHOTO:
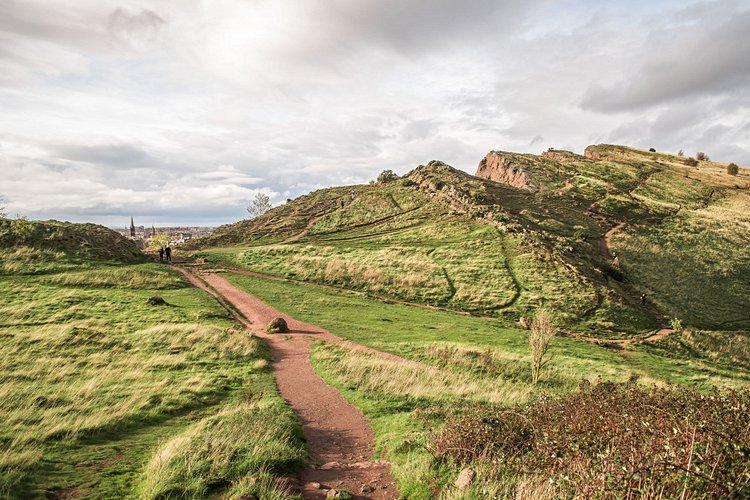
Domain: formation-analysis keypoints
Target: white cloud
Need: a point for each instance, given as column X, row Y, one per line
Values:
column 183, row 110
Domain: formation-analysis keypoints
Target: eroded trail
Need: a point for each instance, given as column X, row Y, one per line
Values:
column 339, row 437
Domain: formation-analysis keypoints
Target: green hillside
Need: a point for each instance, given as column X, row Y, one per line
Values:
column 442, row 237
column 29, row 247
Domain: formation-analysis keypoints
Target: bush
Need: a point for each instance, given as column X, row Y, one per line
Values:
column 676, row 324
column 691, row 162
column 733, row 169
column 652, row 150
column 542, row 331
column 157, row 301
column 387, row 176
column 701, row 156
column 613, row 441
column 680, row 153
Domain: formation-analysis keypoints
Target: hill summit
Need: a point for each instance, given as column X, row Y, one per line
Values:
column 34, row 244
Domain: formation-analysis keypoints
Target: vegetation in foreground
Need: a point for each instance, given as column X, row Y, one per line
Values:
column 104, row 395
column 610, row 440
column 476, row 366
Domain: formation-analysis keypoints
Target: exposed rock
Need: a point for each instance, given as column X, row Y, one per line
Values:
column 465, row 478
column 314, row 485
column 157, row 301
column 329, row 466
column 506, row 169
column 333, row 493
column 591, row 153
column 366, row 488
column 278, row 325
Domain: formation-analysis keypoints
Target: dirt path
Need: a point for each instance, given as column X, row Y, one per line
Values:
column 339, row 437
column 606, row 241
column 623, row 345
column 306, row 230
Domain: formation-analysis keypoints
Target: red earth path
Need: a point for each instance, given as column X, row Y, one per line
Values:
column 339, row 437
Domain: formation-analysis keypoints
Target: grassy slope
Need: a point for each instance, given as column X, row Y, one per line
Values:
column 446, row 238
column 104, row 395
column 472, row 361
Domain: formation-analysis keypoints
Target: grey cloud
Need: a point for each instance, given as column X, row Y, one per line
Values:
column 112, row 155
column 415, row 25
column 536, row 140
column 709, row 58
column 135, row 28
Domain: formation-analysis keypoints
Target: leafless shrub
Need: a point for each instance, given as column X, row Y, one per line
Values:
column 542, row 331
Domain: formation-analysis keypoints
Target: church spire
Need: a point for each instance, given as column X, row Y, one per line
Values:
column 132, row 228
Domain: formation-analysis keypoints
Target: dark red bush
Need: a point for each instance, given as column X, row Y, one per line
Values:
column 621, row 440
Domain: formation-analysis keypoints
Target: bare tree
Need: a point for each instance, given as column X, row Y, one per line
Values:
column 3, row 212
column 260, row 205
column 542, row 331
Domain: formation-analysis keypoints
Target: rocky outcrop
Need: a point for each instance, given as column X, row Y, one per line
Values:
column 506, row 169
column 591, row 153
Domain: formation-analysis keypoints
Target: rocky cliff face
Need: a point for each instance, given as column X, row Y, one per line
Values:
column 507, row 169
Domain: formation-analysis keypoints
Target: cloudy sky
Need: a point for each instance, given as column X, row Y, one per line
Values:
column 179, row 111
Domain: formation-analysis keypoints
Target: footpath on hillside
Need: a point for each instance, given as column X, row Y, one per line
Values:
column 339, row 437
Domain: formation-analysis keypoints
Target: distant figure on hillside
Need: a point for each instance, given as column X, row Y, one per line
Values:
column 353, row 195
column 161, row 254
column 643, row 299
column 168, row 251
column 342, row 203
column 615, row 259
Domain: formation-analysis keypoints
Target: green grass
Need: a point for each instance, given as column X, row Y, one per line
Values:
column 104, row 395
column 469, row 361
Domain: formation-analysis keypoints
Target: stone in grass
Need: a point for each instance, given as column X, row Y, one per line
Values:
column 465, row 478
column 278, row 325
column 342, row 494
column 157, row 301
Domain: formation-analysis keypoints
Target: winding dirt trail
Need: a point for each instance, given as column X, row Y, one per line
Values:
column 606, row 241
column 339, row 437
column 306, row 230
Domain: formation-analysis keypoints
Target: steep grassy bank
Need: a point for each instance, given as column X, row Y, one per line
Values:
column 442, row 237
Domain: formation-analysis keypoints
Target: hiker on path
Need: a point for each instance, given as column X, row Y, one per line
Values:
column 342, row 203
column 615, row 259
column 643, row 299
column 168, row 251
column 161, row 254
column 352, row 195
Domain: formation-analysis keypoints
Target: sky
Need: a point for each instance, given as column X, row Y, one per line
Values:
column 181, row 111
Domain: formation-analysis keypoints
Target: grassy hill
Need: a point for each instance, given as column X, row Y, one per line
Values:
column 30, row 247
column 104, row 395
column 545, row 235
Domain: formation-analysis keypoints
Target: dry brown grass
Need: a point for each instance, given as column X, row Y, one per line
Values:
column 371, row 373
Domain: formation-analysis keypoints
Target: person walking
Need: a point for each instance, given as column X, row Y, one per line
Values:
column 168, row 251
column 643, row 299
column 161, row 254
